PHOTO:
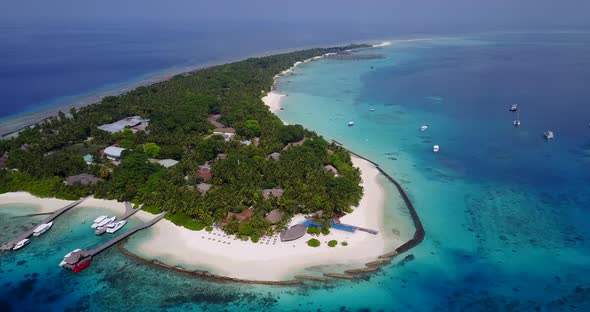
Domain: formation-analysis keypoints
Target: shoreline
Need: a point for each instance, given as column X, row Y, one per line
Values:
column 211, row 251
column 11, row 125
column 214, row 254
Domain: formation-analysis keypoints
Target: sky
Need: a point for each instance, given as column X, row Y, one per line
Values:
column 412, row 14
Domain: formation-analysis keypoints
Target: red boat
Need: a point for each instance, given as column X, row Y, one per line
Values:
column 79, row 267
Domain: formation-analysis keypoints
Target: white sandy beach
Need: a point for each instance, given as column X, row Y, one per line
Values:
column 273, row 101
column 269, row 259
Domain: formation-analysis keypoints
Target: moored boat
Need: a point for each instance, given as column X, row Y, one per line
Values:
column 351, row 123
column 21, row 244
column 114, row 227
column 516, row 122
column 514, row 108
column 100, row 218
column 436, row 148
column 424, row 128
column 103, row 222
column 42, row 228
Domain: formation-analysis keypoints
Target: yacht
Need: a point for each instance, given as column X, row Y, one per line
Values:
column 103, row 222
column 21, row 244
column 99, row 219
column 549, row 135
column 114, row 227
column 436, row 148
column 351, row 123
column 101, row 230
column 423, row 128
column 42, row 228
column 372, row 109
column 514, row 107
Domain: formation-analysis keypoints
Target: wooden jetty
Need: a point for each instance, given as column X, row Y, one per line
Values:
column 129, row 211
column 80, row 259
column 10, row 244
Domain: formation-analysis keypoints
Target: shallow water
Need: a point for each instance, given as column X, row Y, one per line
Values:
column 504, row 211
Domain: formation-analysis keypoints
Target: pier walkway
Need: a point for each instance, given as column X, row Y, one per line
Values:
column 121, row 237
column 10, row 244
column 80, row 259
column 129, row 211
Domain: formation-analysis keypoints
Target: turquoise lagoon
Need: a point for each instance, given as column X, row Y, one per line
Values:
column 505, row 212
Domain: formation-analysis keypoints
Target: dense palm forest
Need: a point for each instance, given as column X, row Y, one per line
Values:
column 41, row 157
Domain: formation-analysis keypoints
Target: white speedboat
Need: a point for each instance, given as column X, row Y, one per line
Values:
column 436, row 148
column 99, row 219
column 549, row 135
column 514, row 107
column 61, row 264
column 114, row 227
column 21, row 244
column 424, row 128
column 351, row 123
column 103, row 222
column 372, row 109
column 42, row 228
column 516, row 122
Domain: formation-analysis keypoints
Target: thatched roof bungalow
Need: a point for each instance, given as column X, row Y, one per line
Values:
column 83, row 179
column 274, row 192
column 274, row 216
column 245, row 215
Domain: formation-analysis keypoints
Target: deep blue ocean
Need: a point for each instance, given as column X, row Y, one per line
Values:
column 505, row 211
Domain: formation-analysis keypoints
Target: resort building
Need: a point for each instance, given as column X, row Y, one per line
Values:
column 330, row 168
column 227, row 133
column 256, row 141
column 113, row 152
column 246, row 142
column 136, row 123
column 295, row 232
column 203, row 187
column 274, row 216
column 166, row 163
column 83, row 179
column 245, row 215
column 274, row 192
column 274, row 156
column 205, row 172
column 221, row 156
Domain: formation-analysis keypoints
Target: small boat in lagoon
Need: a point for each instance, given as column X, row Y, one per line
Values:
column 514, row 108
column 435, row 148
column 103, row 222
column 351, row 123
column 424, row 128
column 42, row 228
column 21, row 244
column 98, row 219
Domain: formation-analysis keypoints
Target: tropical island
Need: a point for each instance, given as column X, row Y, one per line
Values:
column 204, row 147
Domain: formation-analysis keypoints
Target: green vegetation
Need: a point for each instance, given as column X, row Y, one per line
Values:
column 46, row 154
column 325, row 230
column 313, row 230
column 152, row 150
column 208, row 228
column 313, row 243
column 333, row 243
column 344, row 244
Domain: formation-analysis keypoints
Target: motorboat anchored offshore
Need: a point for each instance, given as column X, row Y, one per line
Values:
column 436, row 148
column 549, row 135
column 423, row 128
column 351, row 123
column 42, row 228
column 514, row 108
